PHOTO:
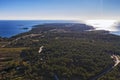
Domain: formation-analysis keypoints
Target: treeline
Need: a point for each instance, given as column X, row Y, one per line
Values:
column 91, row 36
column 71, row 55
column 65, row 58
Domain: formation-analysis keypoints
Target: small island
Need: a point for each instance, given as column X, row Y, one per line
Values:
column 25, row 28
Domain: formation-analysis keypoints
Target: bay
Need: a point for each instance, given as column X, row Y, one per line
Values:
column 9, row 28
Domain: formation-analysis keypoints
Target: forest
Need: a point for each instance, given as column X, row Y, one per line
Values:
column 70, row 52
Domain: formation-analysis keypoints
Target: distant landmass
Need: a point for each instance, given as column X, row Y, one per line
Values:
column 62, row 27
column 60, row 51
column 11, row 28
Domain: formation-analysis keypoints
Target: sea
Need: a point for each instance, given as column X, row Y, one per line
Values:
column 9, row 28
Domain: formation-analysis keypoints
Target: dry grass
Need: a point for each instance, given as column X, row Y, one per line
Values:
column 9, row 50
column 8, row 55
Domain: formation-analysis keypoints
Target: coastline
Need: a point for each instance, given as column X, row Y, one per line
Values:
column 9, row 28
column 28, row 25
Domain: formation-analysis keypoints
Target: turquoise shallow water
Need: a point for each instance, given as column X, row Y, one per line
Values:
column 10, row 28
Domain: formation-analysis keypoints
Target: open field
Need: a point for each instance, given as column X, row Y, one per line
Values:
column 6, row 50
column 9, row 54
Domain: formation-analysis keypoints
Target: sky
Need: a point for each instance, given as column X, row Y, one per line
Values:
column 59, row 9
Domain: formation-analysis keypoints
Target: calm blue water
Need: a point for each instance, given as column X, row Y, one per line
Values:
column 10, row 28
column 116, row 33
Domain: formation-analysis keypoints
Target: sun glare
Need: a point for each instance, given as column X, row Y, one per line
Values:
column 103, row 24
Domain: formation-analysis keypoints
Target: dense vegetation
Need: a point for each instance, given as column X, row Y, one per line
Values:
column 69, row 53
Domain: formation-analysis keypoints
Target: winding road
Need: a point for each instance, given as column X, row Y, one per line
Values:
column 116, row 59
column 40, row 50
column 22, row 37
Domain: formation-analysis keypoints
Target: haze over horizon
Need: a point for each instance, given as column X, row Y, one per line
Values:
column 59, row 9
